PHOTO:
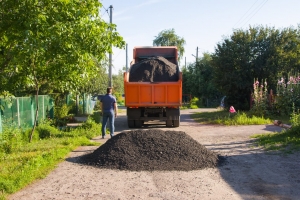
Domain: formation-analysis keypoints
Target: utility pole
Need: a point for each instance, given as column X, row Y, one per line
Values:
column 110, row 54
column 197, row 55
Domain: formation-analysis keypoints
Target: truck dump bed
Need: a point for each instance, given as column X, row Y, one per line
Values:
column 153, row 87
column 147, row 94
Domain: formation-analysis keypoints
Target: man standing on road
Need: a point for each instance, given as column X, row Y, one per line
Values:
column 109, row 110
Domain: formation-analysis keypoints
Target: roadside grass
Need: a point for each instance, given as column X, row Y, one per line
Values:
column 225, row 118
column 22, row 162
column 287, row 140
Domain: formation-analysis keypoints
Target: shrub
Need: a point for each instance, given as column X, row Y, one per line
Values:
column 27, row 133
column 97, row 105
column 10, row 138
column 195, row 103
column 96, row 116
column 45, row 130
column 61, row 111
column 287, row 95
column 260, row 98
column 90, row 128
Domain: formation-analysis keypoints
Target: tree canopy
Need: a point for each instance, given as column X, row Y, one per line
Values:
column 197, row 81
column 54, row 42
column 170, row 38
column 260, row 52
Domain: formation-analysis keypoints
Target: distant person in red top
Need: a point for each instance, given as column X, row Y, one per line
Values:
column 109, row 110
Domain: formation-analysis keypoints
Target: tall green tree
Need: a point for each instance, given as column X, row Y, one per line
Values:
column 98, row 83
column 259, row 52
column 118, row 82
column 198, row 81
column 170, row 38
column 55, row 42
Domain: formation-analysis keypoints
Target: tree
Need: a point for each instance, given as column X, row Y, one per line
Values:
column 198, row 80
column 261, row 53
column 169, row 38
column 54, row 42
column 97, row 84
column 118, row 82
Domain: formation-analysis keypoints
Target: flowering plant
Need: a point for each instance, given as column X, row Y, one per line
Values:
column 260, row 98
column 288, row 95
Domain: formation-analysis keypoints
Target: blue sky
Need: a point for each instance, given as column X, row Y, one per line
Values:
column 202, row 23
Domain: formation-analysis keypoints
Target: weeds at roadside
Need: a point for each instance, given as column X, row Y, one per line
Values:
column 22, row 162
column 225, row 118
column 287, row 141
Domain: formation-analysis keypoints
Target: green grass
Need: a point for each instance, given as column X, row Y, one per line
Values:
column 225, row 118
column 27, row 162
column 286, row 141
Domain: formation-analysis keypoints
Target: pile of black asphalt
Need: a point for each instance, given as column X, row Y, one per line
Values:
column 152, row 150
column 154, row 69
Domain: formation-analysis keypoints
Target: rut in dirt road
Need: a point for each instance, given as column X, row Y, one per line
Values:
column 149, row 150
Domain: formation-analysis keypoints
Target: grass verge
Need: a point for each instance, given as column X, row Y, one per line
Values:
column 225, row 118
column 286, row 141
column 23, row 162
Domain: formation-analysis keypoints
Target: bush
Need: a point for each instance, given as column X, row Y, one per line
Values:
column 195, row 103
column 45, row 130
column 27, row 133
column 10, row 139
column 260, row 99
column 287, row 95
column 96, row 116
column 97, row 106
column 62, row 111
column 89, row 128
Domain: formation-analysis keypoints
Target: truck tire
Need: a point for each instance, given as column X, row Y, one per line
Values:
column 138, row 123
column 130, row 123
column 176, row 122
column 169, row 123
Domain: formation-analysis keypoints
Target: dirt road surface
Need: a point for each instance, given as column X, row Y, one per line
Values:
column 249, row 172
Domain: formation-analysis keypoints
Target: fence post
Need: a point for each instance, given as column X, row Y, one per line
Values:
column 43, row 117
column 84, row 104
column 32, row 112
column 18, row 112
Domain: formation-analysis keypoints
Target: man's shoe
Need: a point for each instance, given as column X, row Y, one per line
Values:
column 103, row 137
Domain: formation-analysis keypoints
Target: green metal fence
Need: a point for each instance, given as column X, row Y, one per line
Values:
column 20, row 111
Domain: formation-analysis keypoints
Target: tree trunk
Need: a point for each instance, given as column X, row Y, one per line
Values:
column 36, row 113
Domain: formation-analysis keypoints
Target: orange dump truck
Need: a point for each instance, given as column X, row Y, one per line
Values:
column 153, row 100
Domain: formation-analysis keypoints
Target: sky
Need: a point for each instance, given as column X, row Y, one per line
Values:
column 202, row 23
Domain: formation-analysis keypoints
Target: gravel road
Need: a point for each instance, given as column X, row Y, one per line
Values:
column 249, row 172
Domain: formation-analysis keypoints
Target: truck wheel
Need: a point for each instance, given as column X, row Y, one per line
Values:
column 130, row 123
column 138, row 123
column 169, row 123
column 176, row 122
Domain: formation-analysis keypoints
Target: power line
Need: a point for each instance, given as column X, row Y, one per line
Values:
column 261, row 5
column 249, row 14
column 105, row 10
column 245, row 14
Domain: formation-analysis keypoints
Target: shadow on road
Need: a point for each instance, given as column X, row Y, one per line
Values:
column 248, row 170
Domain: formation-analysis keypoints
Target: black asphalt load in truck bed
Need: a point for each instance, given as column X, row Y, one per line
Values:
column 153, row 149
column 154, row 69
